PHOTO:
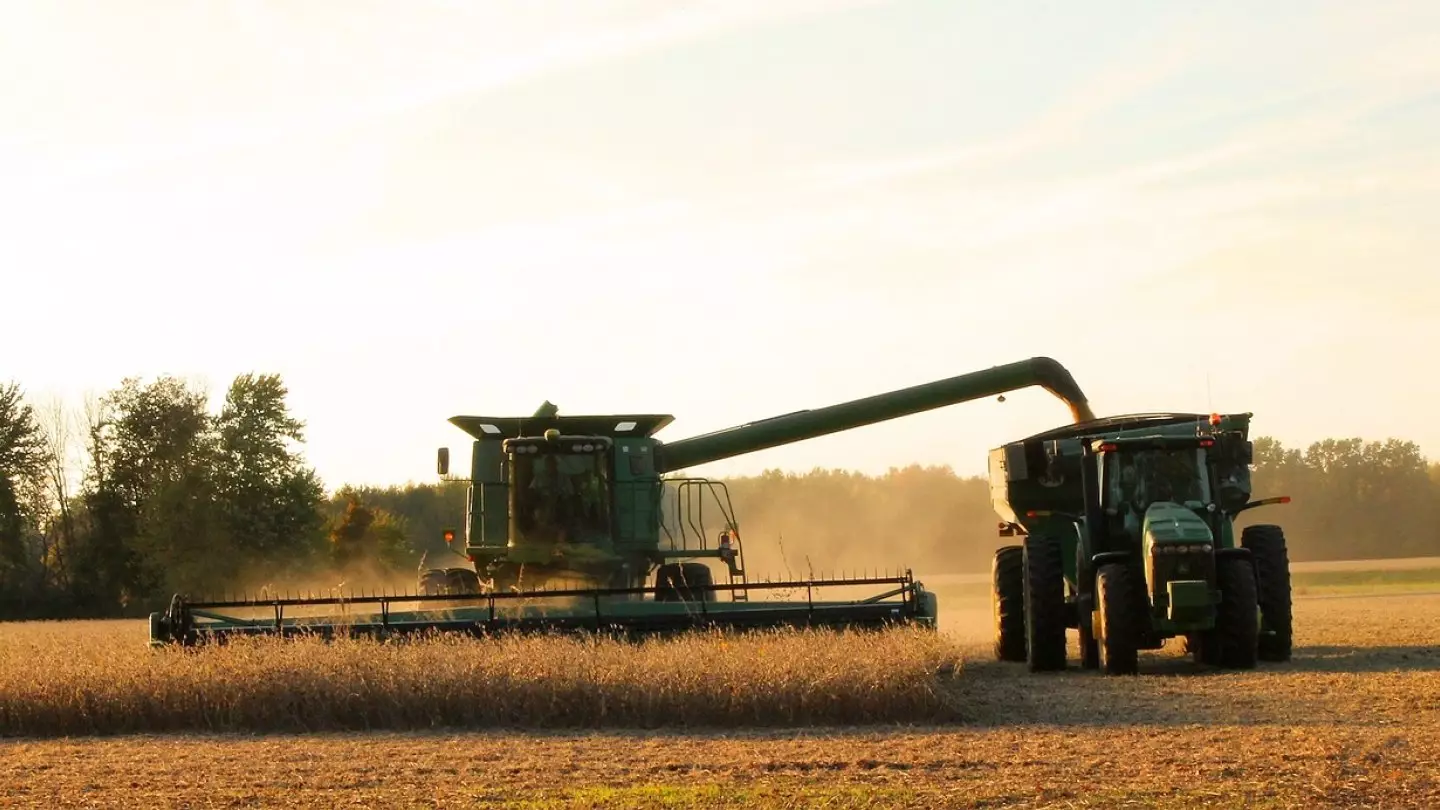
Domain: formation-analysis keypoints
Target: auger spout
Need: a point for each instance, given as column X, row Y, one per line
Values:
column 808, row 424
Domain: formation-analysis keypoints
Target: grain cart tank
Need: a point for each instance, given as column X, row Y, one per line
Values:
column 1127, row 527
column 566, row 512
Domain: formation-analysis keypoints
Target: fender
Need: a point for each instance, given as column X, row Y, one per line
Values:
column 1263, row 502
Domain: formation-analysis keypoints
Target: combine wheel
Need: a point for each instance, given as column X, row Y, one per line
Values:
column 1045, row 623
column 678, row 582
column 1234, row 643
column 433, row 582
column 698, row 575
column 1272, row 570
column 462, row 580
column 1007, row 599
column 1119, row 639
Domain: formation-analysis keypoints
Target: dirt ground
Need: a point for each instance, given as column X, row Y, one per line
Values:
column 1351, row 722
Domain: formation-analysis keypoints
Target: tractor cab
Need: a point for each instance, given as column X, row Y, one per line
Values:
column 1155, row 487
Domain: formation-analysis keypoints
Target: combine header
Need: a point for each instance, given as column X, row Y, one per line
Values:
column 583, row 523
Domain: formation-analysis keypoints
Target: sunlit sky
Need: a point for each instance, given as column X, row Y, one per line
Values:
column 726, row 211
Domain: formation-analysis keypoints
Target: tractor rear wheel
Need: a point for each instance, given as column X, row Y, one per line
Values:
column 1119, row 640
column 1007, row 598
column 1045, row 623
column 1089, row 646
column 1234, row 643
column 1272, row 569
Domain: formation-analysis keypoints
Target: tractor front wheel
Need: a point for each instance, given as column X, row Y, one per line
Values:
column 1234, row 643
column 1119, row 640
column 1007, row 599
column 1272, row 570
column 1045, row 623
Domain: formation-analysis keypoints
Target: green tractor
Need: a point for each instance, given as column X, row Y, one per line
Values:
column 1128, row 536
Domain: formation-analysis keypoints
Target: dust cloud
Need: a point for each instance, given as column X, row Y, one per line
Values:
column 825, row 523
column 361, row 577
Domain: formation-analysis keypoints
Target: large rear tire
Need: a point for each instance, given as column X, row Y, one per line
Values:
column 1234, row 643
column 1007, row 599
column 1272, row 570
column 1045, row 623
column 1119, row 639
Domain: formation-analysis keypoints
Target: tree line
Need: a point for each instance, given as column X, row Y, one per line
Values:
column 174, row 497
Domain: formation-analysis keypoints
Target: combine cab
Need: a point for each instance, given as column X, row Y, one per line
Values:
column 586, row 522
column 1128, row 537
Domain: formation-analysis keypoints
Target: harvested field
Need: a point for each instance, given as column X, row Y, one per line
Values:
column 1351, row 722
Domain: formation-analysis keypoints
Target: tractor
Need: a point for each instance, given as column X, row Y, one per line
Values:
column 1127, row 528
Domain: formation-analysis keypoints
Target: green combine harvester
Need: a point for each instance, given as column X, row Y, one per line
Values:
column 584, row 523
column 1128, row 527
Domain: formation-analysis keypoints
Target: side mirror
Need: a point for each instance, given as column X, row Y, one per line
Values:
column 442, row 461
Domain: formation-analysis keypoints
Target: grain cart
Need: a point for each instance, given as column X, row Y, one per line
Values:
column 1128, row 537
column 566, row 528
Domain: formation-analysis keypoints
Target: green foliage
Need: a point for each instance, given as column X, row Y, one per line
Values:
column 364, row 534
column 175, row 498
column 269, row 499
column 157, row 470
column 22, row 470
column 428, row 510
column 1352, row 499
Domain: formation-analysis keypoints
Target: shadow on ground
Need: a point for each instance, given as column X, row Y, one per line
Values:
column 1337, row 658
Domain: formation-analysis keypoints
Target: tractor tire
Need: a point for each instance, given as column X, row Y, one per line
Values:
column 1272, row 571
column 1045, row 623
column 1234, row 643
column 462, row 580
column 1119, row 640
column 434, row 582
column 678, row 582
column 1089, row 646
column 1007, row 599
column 697, row 576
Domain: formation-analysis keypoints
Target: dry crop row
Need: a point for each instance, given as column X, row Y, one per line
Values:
column 60, row 679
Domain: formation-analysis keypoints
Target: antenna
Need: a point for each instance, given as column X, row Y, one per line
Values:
column 1209, row 400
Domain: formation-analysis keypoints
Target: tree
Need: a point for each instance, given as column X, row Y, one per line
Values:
column 154, row 494
column 60, row 534
column 270, row 500
column 22, row 471
column 369, row 539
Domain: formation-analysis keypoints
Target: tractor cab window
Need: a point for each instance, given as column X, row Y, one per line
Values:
column 561, row 497
column 1140, row 478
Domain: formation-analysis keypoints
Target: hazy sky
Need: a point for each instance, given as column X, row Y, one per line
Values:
column 727, row 211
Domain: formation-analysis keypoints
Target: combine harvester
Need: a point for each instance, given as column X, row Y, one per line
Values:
column 566, row 528
column 1128, row 527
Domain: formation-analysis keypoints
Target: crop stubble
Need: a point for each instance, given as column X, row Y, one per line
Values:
column 1350, row 722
